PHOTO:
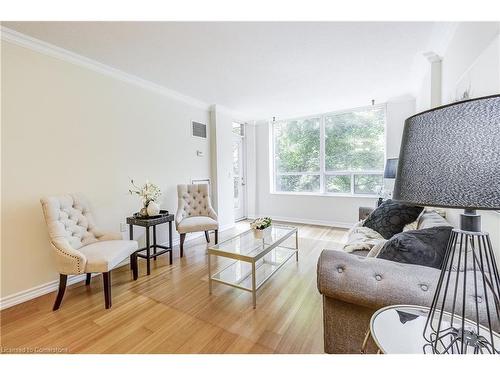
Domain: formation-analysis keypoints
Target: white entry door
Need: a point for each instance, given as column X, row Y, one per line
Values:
column 239, row 177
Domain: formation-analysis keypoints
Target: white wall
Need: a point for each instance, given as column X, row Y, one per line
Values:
column 328, row 210
column 396, row 114
column 471, row 61
column 472, row 42
column 66, row 128
column 423, row 98
column 222, row 164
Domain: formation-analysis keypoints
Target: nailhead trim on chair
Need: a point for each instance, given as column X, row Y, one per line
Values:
column 78, row 265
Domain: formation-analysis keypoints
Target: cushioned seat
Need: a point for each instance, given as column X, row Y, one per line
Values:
column 194, row 212
column 80, row 247
column 196, row 224
column 103, row 256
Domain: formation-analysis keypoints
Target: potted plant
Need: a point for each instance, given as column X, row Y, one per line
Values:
column 150, row 194
column 261, row 226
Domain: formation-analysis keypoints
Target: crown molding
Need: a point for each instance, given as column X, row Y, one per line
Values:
column 15, row 37
column 237, row 116
column 432, row 57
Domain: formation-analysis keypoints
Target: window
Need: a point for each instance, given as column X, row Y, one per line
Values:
column 334, row 153
column 297, row 155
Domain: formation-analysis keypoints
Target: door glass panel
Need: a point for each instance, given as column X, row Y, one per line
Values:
column 236, row 159
column 236, row 192
column 238, row 175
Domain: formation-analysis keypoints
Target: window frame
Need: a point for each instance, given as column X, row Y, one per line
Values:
column 322, row 172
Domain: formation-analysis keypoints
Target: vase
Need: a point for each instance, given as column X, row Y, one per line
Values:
column 143, row 212
column 153, row 208
column 262, row 233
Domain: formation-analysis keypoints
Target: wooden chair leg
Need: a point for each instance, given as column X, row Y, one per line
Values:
column 106, row 278
column 206, row 236
column 60, row 294
column 87, row 279
column 134, row 265
column 216, row 236
column 183, row 237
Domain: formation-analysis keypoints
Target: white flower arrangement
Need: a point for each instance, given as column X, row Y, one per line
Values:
column 148, row 192
column 261, row 223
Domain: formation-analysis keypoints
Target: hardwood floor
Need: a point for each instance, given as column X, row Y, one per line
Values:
column 170, row 311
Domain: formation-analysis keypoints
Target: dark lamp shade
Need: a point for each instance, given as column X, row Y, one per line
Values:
column 391, row 166
column 450, row 156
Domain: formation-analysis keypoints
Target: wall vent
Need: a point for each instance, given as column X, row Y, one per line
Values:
column 199, row 130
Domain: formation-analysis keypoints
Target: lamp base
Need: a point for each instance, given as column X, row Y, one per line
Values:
column 467, row 293
column 461, row 341
column 470, row 221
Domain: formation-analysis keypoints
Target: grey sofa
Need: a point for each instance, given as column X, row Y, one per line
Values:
column 354, row 286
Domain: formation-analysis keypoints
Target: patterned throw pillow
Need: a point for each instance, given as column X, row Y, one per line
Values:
column 390, row 218
column 424, row 247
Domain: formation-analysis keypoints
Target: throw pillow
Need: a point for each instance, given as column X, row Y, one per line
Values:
column 390, row 218
column 424, row 247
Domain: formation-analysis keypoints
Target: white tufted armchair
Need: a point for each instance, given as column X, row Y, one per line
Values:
column 79, row 247
column 195, row 212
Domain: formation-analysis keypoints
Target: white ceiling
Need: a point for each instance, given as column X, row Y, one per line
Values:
column 256, row 68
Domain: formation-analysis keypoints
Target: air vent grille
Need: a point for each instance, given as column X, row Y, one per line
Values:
column 199, row 130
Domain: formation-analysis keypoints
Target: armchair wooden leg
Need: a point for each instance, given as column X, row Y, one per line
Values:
column 206, row 236
column 216, row 236
column 183, row 237
column 134, row 265
column 106, row 278
column 87, row 279
column 60, row 294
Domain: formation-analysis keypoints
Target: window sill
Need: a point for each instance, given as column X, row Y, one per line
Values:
column 329, row 195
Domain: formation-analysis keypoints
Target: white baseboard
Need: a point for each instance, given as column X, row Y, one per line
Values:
column 336, row 224
column 37, row 291
column 51, row 286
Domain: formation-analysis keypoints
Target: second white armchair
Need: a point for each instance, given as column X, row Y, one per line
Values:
column 195, row 212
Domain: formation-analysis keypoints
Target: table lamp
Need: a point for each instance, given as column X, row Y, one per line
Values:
column 391, row 166
column 450, row 157
column 390, row 170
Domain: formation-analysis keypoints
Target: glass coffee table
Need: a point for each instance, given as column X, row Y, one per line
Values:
column 255, row 258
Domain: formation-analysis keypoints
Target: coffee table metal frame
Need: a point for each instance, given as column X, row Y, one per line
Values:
column 215, row 251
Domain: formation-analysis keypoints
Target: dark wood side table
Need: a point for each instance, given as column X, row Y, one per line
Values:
column 147, row 222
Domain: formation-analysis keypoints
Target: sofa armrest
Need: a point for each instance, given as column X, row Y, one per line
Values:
column 373, row 282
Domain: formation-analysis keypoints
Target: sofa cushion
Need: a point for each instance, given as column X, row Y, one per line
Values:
column 390, row 217
column 424, row 247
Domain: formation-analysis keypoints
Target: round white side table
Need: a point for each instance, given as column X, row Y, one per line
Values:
column 399, row 329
